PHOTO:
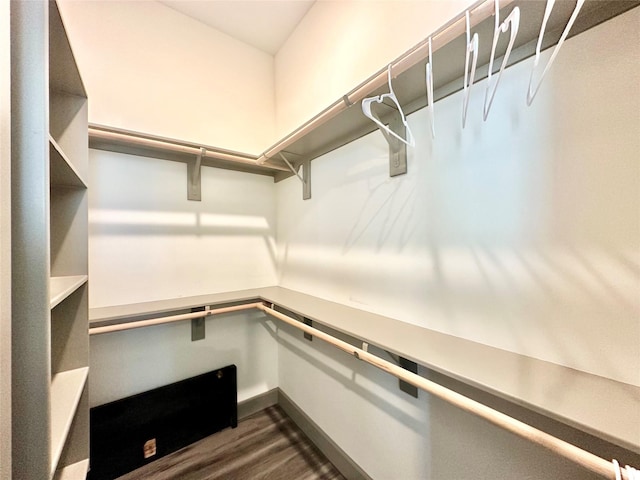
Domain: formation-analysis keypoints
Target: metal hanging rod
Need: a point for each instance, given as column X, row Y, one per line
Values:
column 587, row 460
column 100, row 135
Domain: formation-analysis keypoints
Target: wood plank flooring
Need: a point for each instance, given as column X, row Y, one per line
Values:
column 266, row 445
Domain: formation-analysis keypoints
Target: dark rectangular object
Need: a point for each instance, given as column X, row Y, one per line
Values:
column 413, row 368
column 131, row 432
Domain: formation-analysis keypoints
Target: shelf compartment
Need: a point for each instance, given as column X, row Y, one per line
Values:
column 66, row 390
column 75, row 471
column 63, row 173
column 61, row 287
column 68, row 231
column 64, row 75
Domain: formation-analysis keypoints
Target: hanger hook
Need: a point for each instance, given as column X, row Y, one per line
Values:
column 531, row 91
column 511, row 23
column 429, row 75
column 366, row 109
column 472, row 47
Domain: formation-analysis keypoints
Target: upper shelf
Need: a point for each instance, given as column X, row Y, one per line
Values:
column 145, row 145
column 343, row 121
column 586, row 405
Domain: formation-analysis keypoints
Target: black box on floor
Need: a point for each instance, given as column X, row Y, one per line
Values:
column 131, row 432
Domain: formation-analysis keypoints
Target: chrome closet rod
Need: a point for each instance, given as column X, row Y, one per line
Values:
column 587, row 460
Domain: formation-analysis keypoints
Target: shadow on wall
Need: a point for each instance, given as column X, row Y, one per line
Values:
column 346, row 374
column 490, row 452
column 189, row 224
column 148, row 242
column 520, row 232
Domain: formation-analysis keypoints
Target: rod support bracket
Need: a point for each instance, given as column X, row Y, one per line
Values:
column 194, row 190
column 397, row 149
column 308, row 321
column 413, row 368
column 198, row 331
column 305, row 178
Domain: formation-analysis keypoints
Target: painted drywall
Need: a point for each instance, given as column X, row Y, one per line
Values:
column 5, row 243
column 520, row 232
column 394, row 436
column 148, row 242
column 339, row 44
column 151, row 69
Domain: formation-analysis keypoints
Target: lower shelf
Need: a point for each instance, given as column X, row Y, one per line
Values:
column 75, row 471
column 66, row 390
column 62, row 287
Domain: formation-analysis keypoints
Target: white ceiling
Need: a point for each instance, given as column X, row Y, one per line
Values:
column 265, row 24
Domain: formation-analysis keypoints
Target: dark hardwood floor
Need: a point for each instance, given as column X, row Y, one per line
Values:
column 266, row 445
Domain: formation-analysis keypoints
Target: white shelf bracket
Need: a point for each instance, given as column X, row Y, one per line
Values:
column 305, row 178
column 194, row 190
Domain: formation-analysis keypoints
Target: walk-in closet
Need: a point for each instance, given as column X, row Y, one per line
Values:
column 320, row 239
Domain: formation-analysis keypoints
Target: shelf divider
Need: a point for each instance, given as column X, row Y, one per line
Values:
column 63, row 173
column 66, row 390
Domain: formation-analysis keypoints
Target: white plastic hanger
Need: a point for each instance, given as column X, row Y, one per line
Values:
column 472, row 47
column 511, row 23
column 531, row 92
column 632, row 473
column 616, row 469
column 366, row 109
column 429, row 69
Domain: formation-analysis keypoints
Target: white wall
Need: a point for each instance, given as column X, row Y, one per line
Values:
column 339, row 44
column 521, row 233
column 5, row 243
column 148, row 242
column 394, row 436
column 151, row 69
column 134, row 361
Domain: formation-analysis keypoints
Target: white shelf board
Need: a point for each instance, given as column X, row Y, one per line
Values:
column 75, row 471
column 117, row 313
column 63, row 173
column 66, row 390
column 585, row 406
column 61, row 287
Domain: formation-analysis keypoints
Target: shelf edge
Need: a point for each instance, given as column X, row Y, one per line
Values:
column 66, row 404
